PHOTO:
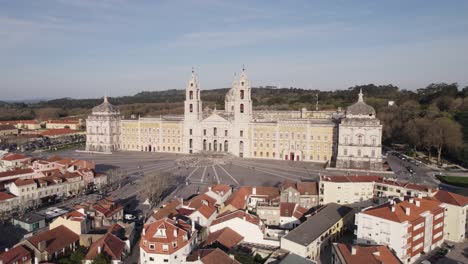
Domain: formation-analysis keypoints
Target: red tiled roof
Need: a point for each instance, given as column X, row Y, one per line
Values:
column 6, row 196
column 168, row 210
column 219, row 188
column 56, row 239
column 107, row 207
column 15, row 255
column 7, row 127
column 75, row 216
column 24, row 182
column 11, row 157
column 59, row 131
column 236, row 214
column 307, row 188
column 172, row 232
column 239, row 197
column 211, row 256
column 204, row 204
column 367, row 254
column 226, row 237
column 15, row 172
column 450, row 198
column 287, row 209
column 109, row 244
column 385, row 211
column 64, row 121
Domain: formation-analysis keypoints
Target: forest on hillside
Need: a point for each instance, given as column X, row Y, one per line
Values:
column 433, row 119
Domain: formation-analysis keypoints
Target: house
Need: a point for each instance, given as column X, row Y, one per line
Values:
column 409, row 227
column 210, row 256
column 167, row 241
column 74, row 124
column 76, row 221
column 111, row 246
column 200, row 209
column 104, row 212
column 249, row 196
column 304, row 194
column 52, row 244
column 354, row 254
column 13, row 160
column 327, row 224
column 247, row 225
column 30, row 222
column 168, row 210
column 455, row 214
column 8, row 130
column 16, row 255
column 10, row 175
column 225, row 238
column 220, row 192
column 282, row 214
column 8, row 202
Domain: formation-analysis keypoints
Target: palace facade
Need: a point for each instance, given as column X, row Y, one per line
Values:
column 283, row 135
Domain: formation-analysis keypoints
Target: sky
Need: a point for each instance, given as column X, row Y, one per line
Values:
column 91, row 48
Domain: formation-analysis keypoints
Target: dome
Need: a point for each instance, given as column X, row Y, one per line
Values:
column 106, row 107
column 360, row 108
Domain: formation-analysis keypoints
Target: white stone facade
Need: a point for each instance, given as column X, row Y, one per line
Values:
column 360, row 137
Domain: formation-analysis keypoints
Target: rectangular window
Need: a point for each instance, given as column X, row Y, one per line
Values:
column 204, row 132
column 165, row 247
column 225, row 133
column 241, row 133
column 190, row 132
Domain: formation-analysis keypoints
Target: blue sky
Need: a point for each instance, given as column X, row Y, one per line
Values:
column 87, row 48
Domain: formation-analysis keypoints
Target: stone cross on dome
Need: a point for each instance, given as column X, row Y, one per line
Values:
column 361, row 96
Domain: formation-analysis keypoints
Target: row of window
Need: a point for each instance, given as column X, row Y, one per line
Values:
column 359, row 153
column 151, row 130
column 293, row 136
column 361, row 140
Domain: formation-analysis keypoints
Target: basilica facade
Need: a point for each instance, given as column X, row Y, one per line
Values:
column 283, row 135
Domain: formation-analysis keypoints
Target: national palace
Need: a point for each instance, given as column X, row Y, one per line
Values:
column 345, row 139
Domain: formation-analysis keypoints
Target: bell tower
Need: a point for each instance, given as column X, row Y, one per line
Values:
column 193, row 103
column 243, row 101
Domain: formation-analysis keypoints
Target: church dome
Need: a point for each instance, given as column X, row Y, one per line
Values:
column 106, row 107
column 360, row 108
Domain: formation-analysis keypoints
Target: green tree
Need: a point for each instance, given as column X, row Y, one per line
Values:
column 101, row 259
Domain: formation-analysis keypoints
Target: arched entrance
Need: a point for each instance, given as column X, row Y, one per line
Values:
column 149, row 148
column 215, row 145
column 204, row 145
column 225, row 146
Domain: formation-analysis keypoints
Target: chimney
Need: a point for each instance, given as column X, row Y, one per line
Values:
column 254, row 190
column 411, row 200
column 407, row 210
column 418, row 203
column 99, row 250
column 175, row 232
column 393, row 209
column 353, row 250
column 42, row 245
column 209, row 188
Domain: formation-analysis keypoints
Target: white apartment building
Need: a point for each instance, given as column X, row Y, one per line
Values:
column 455, row 214
column 355, row 191
column 409, row 227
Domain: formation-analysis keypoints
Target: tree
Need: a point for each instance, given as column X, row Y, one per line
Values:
column 445, row 133
column 155, row 185
column 75, row 257
column 101, row 259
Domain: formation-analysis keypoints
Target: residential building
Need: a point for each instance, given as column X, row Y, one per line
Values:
column 354, row 191
column 225, row 238
column 304, row 194
column 247, row 225
column 74, row 124
column 249, row 196
column 455, row 214
column 355, row 254
column 51, row 245
column 360, row 137
column 16, row 255
column 167, row 241
column 319, row 230
column 210, row 256
column 8, row 202
column 220, row 192
column 11, row 161
column 167, row 210
column 104, row 212
column 75, row 221
column 109, row 245
column 9, row 175
column 284, row 215
column 200, row 209
column 30, row 222
column 8, row 130
column 409, row 227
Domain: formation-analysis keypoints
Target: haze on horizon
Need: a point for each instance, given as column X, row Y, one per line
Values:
column 88, row 48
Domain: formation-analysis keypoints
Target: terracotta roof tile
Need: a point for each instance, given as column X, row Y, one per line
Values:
column 211, row 256
column 6, row 196
column 11, row 157
column 15, row 255
column 15, row 172
column 450, row 198
column 55, row 239
column 226, row 237
column 165, row 232
column 109, row 244
column 367, row 254
column 236, row 214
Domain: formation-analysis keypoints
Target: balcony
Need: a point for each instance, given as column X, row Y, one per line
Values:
column 405, row 247
column 406, row 236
